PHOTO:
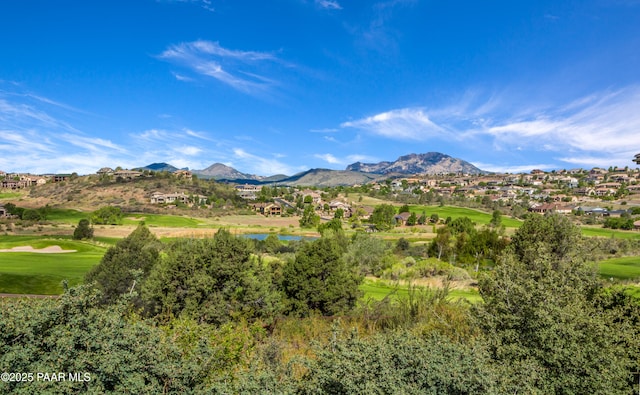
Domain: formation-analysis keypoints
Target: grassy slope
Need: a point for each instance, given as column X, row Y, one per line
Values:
column 379, row 289
column 626, row 268
column 477, row 216
column 33, row 273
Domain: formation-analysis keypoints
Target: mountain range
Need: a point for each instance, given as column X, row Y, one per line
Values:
column 355, row 173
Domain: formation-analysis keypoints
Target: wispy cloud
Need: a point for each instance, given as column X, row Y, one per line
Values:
column 403, row 124
column 245, row 71
column 328, row 4
column 594, row 130
column 602, row 125
column 378, row 35
column 513, row 169
column 328, row 158
column 262, row 166
column 349, row 159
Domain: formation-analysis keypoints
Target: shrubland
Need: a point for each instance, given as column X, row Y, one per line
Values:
column 231, row 315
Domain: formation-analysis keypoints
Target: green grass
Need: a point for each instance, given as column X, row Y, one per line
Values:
column 168, row 221
column 9, row 195
column 620, row 268
column 477, row 216
column 42, row 274
column 67, row 216
column 603, row 232
column 378, row 290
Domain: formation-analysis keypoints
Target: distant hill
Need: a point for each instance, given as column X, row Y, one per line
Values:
column 329, row 178
column 219, row 171
column 159, row 167
column 429, row 163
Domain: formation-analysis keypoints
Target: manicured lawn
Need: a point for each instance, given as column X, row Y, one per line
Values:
column 168, row 221
column 603, row 232
column 378, row 290
column 477, row 216
column 35, row 273
column 621, row 268
column 67, row 216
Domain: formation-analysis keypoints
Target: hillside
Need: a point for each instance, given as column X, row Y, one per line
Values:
column 88, row 193
column 328, row 178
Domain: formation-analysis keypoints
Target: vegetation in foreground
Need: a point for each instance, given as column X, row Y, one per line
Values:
column 192, row 317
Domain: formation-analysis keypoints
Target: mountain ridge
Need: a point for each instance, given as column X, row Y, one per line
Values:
column 355, row 173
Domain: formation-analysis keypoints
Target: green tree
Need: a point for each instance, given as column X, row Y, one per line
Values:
column 108, row 215
column 309, row 218
column 539, row 319
column 334, row 225
column 403, row 209
column 383, row 217
column 412, row 220
column 125, row 265
column 73, row 334
column 399, row 363
column 211, row 280
column 368, row 253
column 83, row 230
column 318, row 279
column 339, row 214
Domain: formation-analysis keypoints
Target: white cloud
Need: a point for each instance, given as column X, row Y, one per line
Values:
column 512, row 169
column 190, row 151
column 241, row 70
column 402, row 124
column 262, row 166
column 604, row 123
column 328, row 4
column 329, row 158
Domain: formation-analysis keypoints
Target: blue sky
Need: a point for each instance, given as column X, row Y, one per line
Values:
column 282, row 86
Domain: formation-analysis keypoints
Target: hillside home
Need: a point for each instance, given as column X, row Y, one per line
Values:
column 168, row 198
column 105, row 171
column 267, row 209
column 551, row 208
column 401, row 219
column 186, row 174
column 315, row 196
column 248, row 192
column 3, row 211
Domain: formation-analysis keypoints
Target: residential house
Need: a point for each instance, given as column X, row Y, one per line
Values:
column 168, row 198
column 186, row 174
column 105, row 171
column 551, row 208
column 3, row 211
column 267, row 209
column 247, row 191
column 402, row 218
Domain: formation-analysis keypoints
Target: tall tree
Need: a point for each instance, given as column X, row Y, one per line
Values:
column 318, row 279
column 383, row 217
column 539, row 319
column 211, row 280
column 125, row 265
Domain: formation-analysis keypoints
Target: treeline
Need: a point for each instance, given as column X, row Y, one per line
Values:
column 230, row 315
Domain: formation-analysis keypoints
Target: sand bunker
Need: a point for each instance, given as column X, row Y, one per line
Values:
column 46, row 250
